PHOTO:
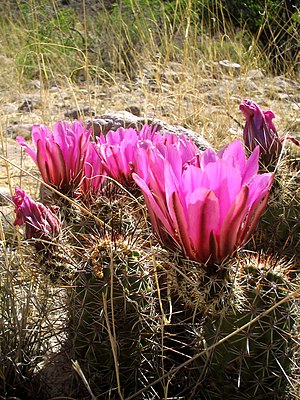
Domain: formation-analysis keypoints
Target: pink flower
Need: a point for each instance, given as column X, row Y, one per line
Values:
column 60, row 155
column 94, row 173
column 209, row 210
column 161, row 146
column 40, row 221
column 186, row 147
column 260, row 131
column 120, row 151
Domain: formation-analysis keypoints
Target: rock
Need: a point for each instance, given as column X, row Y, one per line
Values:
column 101, row 125
column 101, row 95
column 230, row 65
column 105, row 123
column 251, row 86
column 27, row 106
column 113, row 121
column 4, row 196
column 9, row 108
column 134, row 110
column 20, row 130
column 284, row 97
column 76, row 113
column 296, row 107
column 60, row 105
column 53, row 89
column 285, row 83
column 34, row 84
column 5, row 60
column 255, row 74
column 63, row 95
column 172, row 77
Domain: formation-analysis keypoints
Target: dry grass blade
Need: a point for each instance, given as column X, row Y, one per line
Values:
column 77, row 368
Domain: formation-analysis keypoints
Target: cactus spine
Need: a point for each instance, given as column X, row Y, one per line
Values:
column 255, row 362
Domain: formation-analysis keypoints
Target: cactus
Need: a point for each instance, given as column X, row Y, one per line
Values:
column 127, row 329
column 137, row 313
column 255, row 362
column 108, row 309
column 110, row 302
column 280, row 224
column 199, row 287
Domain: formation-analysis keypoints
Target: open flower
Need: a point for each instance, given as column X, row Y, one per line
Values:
column 60, row 155
column 40, row 221
column 94, row 173
column 118, row 154
column 122, row 152
column 206, row 210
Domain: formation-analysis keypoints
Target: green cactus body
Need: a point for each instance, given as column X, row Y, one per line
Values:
column 280, row 224
column 109, row 310
column 137, row 312
column 199, row 287
column 188, row 291
column 255, row 362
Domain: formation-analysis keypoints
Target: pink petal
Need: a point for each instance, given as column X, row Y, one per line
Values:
column 251, row 221
column 178, row 217
column 234, row 154
column 29, row 150
column 203, row 218
column 154, row 210
column 251, row 166
column 208, row 156
column 231, row 225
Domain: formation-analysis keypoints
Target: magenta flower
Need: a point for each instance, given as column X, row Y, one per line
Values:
column 94, row 173
column 60, row 155
column 40, row 221
column 186, row 147
column 260, row 131
column 209, row 210
column 120, row 151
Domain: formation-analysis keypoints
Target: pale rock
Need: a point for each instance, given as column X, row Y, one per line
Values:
column 9, row 108
column 54, row 89
column 251, row 86
column 4, row 196
column 231, row 66
column 255, row 74
column 34, row 84
column 20, row 130
column 63, row 95
column 5, row 60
